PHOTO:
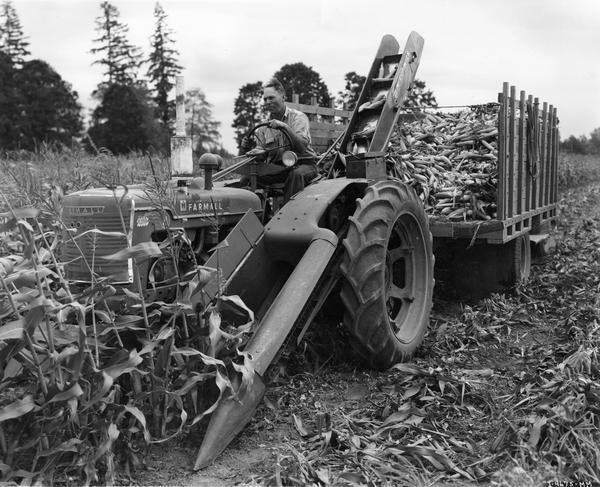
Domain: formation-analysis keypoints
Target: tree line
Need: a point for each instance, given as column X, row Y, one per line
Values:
column 302, row 80
column 582, row 144
column 134, row 110
column 35, row 102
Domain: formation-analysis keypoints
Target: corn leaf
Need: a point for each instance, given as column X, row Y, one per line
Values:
column 140, row 251
column 17, row 408
column 137, row 414
column 95, row 231
column 236, row 304
column 127, row 321
column 74, row 391
column 8, row 263
column 192, row 381
column 112, row 433
column 246, row 370
column 198, row 279
column 19, row 213
column 29, row 277
column 300, row 427
column 13, row 330
column 66, row 446
column 536, row 431
column 129, row 365
column 223, row 384
column 130, row 294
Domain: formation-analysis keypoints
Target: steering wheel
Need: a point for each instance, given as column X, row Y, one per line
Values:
column 264, row 124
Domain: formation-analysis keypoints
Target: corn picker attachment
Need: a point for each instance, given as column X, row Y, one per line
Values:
column 362, row 236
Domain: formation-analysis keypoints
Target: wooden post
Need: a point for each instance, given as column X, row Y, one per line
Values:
column 179, row 107
column 555, row 156
column 550, row 178
column 331, row 119
column 534, row 166
column 313, row 116
column 512, row 166
column 181, row 146
column 523, row 203
column 502, row 99
column 543, row 152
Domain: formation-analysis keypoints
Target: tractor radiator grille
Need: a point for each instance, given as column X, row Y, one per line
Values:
column 94, row 246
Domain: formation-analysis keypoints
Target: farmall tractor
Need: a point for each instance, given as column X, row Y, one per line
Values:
column 360, row 234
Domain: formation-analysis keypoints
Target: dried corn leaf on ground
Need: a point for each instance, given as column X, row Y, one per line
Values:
column 495, row 412
column 451, row 161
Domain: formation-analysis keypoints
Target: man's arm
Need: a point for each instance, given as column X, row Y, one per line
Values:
column 258, row 151
column 298, row 134
column 245, row 146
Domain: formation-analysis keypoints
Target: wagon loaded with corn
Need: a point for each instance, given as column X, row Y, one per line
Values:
column 487, row 176
column 395, row 188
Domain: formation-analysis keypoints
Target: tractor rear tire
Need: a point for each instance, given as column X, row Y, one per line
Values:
column 387, row 274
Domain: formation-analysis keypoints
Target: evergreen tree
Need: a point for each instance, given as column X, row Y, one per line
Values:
column 200, row 125
column 302, row 80
column 163, row 64
column 120, row 58
column 8, row 103
column 247, row 109
column 124, row 121
column 12, row 40
column 48, row 108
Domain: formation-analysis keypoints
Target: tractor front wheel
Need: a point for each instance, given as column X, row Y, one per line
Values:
column 387, row 274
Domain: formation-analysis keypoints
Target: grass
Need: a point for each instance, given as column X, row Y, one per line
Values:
column 27, row 176
column 577, row 169
column 24, row 175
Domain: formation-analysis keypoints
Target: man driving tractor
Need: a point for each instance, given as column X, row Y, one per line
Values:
column 287, row 129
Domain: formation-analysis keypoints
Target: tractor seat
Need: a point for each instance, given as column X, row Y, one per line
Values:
column 276, row 188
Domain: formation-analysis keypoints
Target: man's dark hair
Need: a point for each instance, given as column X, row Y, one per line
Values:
column 276, row 85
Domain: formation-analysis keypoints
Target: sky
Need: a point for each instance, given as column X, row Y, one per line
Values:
column 549, row 48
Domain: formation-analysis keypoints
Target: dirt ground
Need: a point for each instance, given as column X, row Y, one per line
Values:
column 492, row 345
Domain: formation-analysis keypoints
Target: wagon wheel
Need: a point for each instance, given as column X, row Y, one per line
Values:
column 519, row 253
column 387, row 274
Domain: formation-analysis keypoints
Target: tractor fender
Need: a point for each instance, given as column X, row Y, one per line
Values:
column 292, row 229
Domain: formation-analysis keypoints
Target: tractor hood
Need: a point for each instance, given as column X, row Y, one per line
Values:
column 184, row 202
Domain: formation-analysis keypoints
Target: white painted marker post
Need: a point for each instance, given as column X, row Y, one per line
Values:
column 182, row 164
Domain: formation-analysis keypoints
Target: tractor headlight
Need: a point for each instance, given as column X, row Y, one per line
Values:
column 289, row 158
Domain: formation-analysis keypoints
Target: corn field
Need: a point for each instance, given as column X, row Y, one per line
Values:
column 504, row 390
column 88, row 386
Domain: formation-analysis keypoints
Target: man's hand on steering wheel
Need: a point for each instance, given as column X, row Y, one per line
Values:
column 247, row 144
column 260, row 153
column 256, row 152
column 277, row 124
